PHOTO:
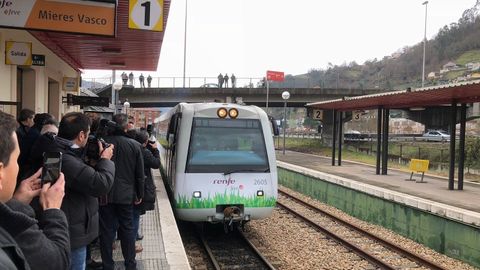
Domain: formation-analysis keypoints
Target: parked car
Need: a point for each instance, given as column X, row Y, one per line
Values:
column 209, row 85
column 436, row 136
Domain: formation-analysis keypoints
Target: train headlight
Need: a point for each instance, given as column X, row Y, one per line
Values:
column 260, row 193
column 197, row 194
column 233, row 113
column 222, row 112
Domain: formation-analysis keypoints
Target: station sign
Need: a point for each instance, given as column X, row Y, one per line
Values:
column 38, row 60
column 84, row 17
column 317, row 114
column 276, row 76
column 357, row 115
column 18, row 53
column 70, row 84
column 145, row 15
column 87, row 101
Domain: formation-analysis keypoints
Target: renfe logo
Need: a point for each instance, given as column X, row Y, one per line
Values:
column 226, row 182
column 5, row 3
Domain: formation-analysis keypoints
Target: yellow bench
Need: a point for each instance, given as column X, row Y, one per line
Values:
column 418, row 166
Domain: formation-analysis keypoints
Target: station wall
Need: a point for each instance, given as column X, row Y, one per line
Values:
column 42, row 85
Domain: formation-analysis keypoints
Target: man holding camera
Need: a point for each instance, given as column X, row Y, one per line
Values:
column 24, row 241
column 83, row 183
column 127, row 190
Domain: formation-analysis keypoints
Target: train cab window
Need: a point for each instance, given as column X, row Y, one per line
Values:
column 226, row 145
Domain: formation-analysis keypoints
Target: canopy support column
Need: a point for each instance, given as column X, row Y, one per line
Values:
column 386, row 119
column 334, row 135
column 453, row 122
column 379, row 138
column 340, row 137
column 461, row 145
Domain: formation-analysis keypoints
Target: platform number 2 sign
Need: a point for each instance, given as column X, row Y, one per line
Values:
column 318, row 114
column 145, row 15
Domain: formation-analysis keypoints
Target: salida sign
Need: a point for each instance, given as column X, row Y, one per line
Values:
column 86, row 17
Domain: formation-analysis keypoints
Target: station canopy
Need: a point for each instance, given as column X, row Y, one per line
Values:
column 128, row 50
column 466, row 92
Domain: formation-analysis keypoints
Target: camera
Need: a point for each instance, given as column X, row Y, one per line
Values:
column 105, row 128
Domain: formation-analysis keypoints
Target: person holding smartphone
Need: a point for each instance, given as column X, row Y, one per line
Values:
column 83, row 183
column 25, row 241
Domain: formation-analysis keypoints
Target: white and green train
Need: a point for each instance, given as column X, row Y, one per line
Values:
column 218, row 162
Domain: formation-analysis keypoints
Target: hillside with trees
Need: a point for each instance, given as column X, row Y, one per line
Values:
column 457, row 43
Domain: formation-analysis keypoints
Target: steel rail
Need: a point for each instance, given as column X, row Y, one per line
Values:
column 259, row 254
column 392, row 246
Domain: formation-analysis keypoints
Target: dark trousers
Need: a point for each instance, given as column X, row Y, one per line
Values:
column 111, row 217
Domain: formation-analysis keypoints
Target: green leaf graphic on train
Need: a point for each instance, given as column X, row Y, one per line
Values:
column 223, row 198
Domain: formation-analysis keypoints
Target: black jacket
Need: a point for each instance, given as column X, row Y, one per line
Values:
column 11, row 257
column 43, row 241
column 83, row 184
column 129, row 174
column 151, row 159
column 43, row 245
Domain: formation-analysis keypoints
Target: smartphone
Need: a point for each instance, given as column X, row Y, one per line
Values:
column 52, row 166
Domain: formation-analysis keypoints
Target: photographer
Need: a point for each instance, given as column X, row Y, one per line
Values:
column 127, row 190
column 151, row 160
column 83, row 183
column 24, row 241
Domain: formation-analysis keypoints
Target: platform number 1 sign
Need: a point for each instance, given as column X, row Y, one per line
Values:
column 145, row 15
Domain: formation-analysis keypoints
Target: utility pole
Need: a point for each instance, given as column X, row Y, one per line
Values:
column 424, row 44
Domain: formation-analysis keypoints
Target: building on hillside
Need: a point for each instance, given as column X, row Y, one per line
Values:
column 473, row 66
column 475, row 76
column 450, row 66
column 432, row 75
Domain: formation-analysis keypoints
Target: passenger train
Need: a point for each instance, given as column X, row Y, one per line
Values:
column 218, row 162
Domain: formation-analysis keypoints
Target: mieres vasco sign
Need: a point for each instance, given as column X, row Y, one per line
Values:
column 86, row 17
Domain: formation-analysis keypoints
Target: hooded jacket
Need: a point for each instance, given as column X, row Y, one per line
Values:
column 83, row 184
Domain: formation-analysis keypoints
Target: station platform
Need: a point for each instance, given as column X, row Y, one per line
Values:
column 432, row 195
column 162, row 244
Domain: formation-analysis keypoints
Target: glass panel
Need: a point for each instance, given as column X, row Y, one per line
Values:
column 10, row 109
column 225, row 145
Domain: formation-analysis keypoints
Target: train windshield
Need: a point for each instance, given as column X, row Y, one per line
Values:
column 227, row 145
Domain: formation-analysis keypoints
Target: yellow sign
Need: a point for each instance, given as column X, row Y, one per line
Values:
column 69, row 84
column 86, row 17
column 419, row 165
column 18, row 53
column 145, row 15
column 318, row 114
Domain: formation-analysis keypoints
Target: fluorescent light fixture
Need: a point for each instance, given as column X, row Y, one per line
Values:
column 117, row 64
column 417, row 108
column 112, row 51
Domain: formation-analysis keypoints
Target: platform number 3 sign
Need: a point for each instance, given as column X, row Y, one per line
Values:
column 145, row 15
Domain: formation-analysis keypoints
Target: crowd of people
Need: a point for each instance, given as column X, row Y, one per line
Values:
column 129, row 79
column 104, row 186
column 223, row 80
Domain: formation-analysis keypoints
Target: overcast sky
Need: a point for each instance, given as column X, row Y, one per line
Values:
column 248, row 37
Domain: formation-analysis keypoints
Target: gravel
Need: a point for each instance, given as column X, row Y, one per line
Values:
column 290, row 244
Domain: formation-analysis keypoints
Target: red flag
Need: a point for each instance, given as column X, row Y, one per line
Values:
column 276, row 76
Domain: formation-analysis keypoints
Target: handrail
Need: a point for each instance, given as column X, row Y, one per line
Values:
column 207, row 82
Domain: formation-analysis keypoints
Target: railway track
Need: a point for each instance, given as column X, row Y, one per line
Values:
column 377, row 251
column 232, row 250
